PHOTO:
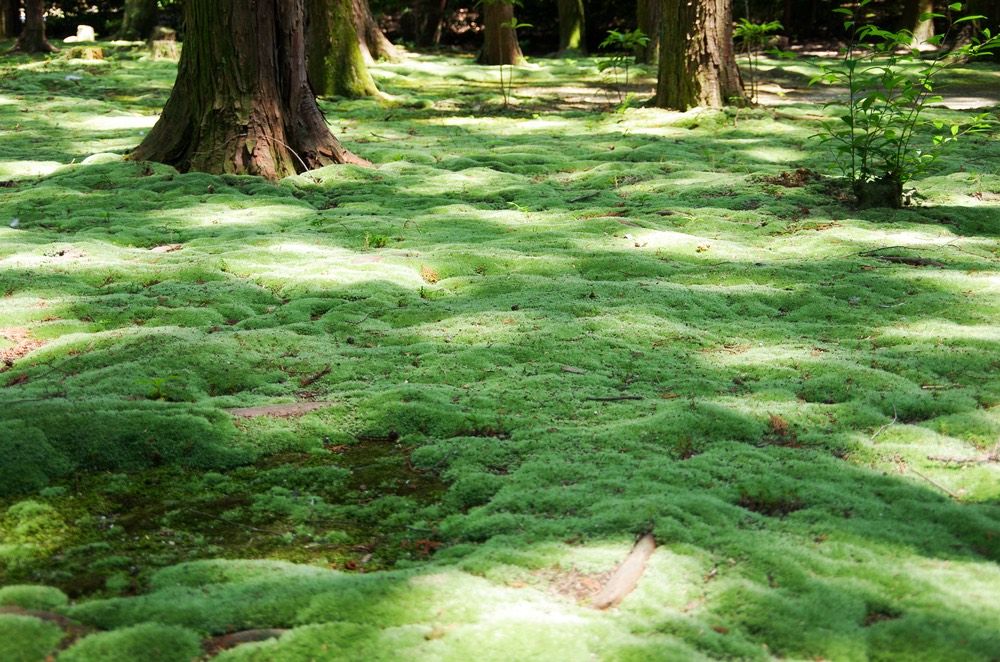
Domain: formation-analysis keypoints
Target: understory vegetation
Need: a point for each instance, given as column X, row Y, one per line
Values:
column 536, row 329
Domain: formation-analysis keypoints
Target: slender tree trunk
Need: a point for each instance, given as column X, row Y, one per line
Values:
column 428, row 22
column 572, row 31
column 500, row 44
column 242, row 102
column 922, row 30
column 697, row 58
column 32, row 39
column 333, row 54
column 648, row 21
column 374, row 44
column 139, row 19
column 10, row 18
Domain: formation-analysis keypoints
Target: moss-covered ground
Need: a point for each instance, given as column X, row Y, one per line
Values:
column 537, row 332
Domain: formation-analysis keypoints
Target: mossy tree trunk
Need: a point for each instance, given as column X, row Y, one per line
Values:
column 922, row 30
column 10, row 18
column 242, row 102
column 500, row 44
column 335, row 64
column 697, row 58
column 374, row 44
column 572, row 30
column 648, row 21
column 32, row 39
column 139, row 19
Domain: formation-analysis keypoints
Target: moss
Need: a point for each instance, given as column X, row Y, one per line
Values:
column 27, row 639
column 33, row 597
column 146, row 641
column 538, row 333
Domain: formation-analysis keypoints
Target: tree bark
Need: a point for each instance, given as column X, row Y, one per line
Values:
column 922, row 30
column 138, row 20
column 10, row 18
column 374, row 44
column 242, row 102
column 500, row 44
column 697, row 58
column 572, row 31
column 32, row 39
column 648, row 21
column 428, row 22
column 333, row 53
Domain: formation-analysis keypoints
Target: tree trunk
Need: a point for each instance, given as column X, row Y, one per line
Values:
column 139, row 19
column 374, row 44
column 333, row 54
column 499, row 41
column 697, row 59
column 428, row 22
column 32, row 39
column 10, row 18
column 572, row 32
column 648, row 21
column 242, row 102
column 922, row 30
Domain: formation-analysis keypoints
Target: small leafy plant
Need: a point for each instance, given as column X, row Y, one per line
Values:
column 883, row 141
column 622, row 47
column 752, row 37
column 507, row 89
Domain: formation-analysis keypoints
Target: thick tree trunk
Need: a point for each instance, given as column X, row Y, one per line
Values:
column 10, row 18
column 648, row 21
column 572, row 32
column 697, row 59
column 139, row 19
column 922, row 30
column 333, row 54
column 500, row 44
column 374, row 44
column 32, row 39
column 242, row 102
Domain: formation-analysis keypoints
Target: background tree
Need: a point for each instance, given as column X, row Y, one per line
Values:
column 242, row 102
column 139, row 19
column 500, row 45
column 697, row 58
column 922, row 30
column 374, row 44
column 10, row 18
column 648, row 21
column 572, row 31
column 335, row 64
column 32, row 39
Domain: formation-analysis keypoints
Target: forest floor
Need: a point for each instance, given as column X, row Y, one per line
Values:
column 525, row 337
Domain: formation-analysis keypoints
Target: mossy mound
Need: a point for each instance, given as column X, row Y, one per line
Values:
column 30, row 596
column 149, row 641
column 27, row 639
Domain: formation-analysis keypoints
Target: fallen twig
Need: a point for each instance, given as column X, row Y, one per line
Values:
column 311, row 379
column 887, row 425
column 627, row 575
column 937, row 485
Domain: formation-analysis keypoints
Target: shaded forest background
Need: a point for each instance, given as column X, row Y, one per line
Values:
column 456, row 24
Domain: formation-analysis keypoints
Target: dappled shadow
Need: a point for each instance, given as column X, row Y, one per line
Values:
column 534, row 338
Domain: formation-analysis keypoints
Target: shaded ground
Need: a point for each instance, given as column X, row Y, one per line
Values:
column 540, row 332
